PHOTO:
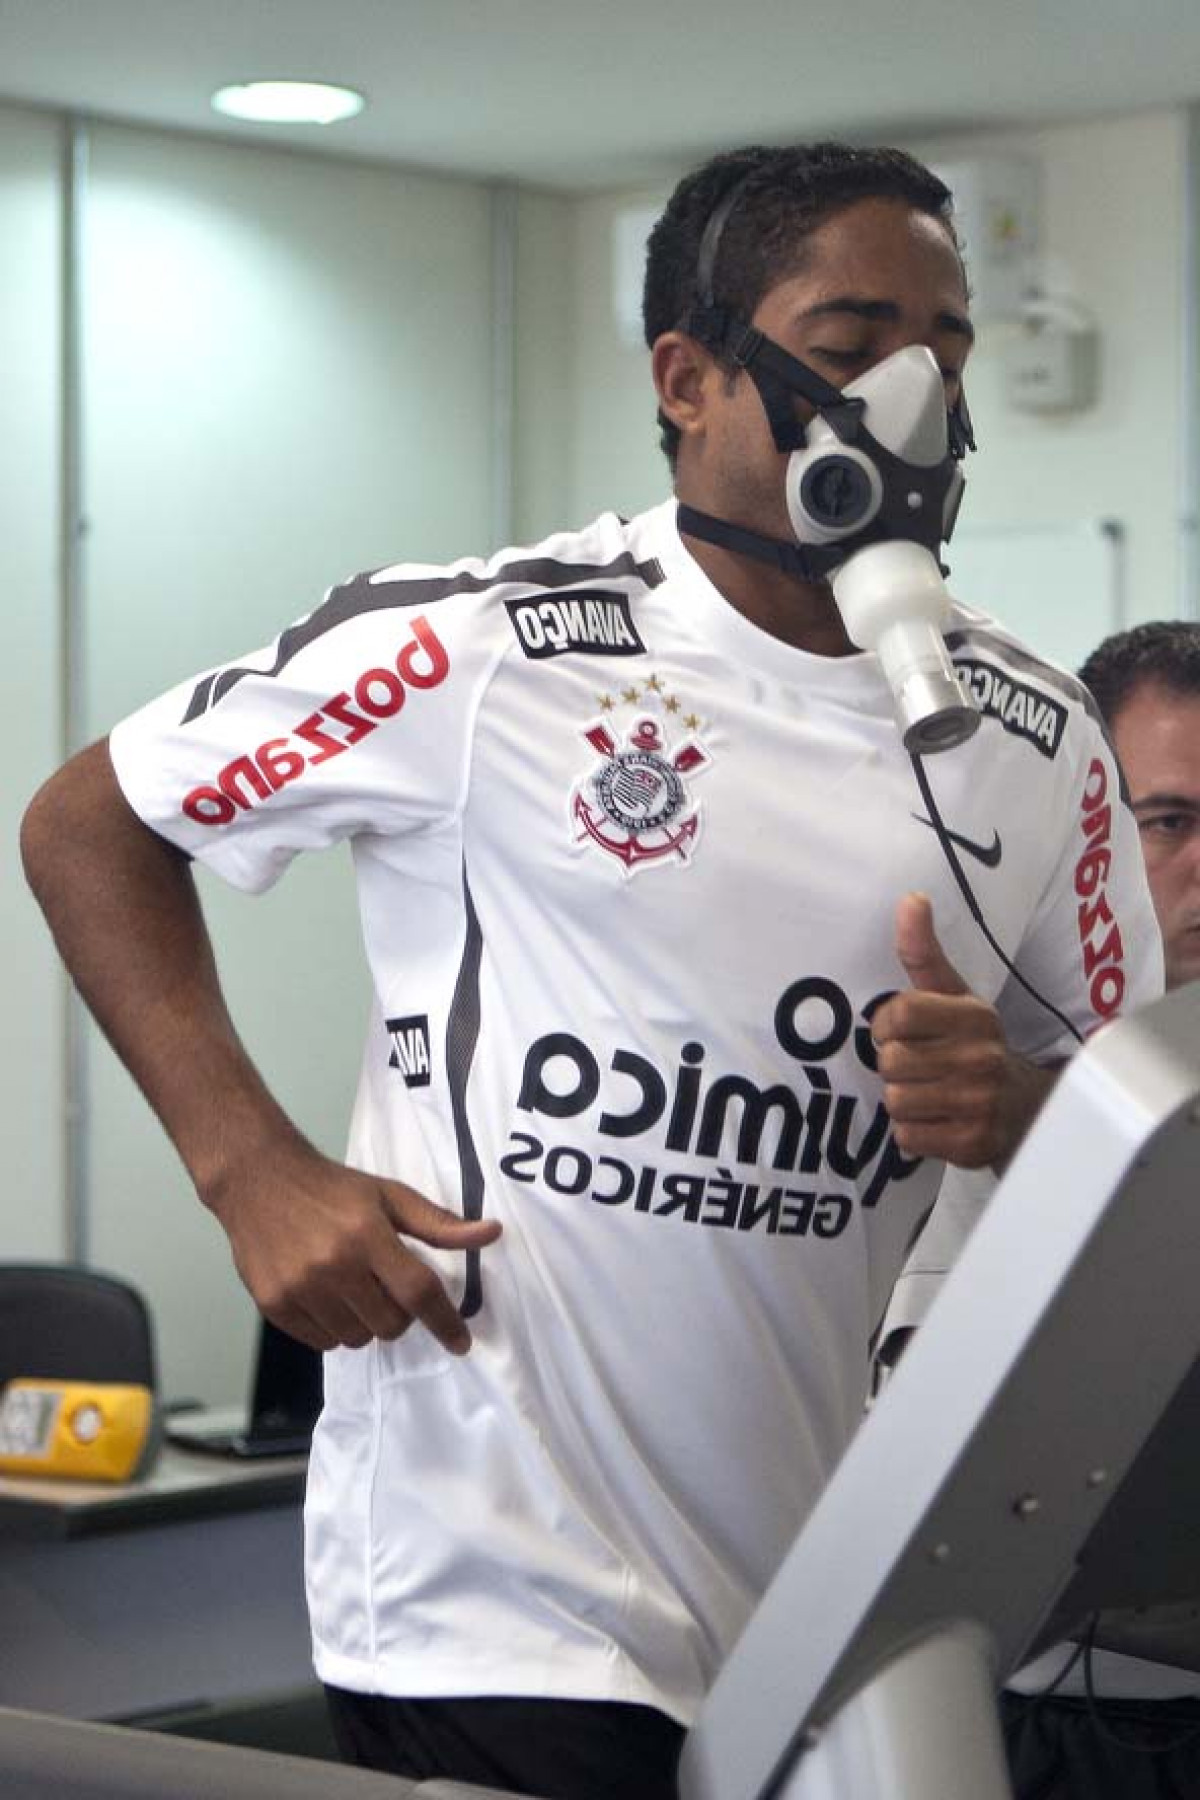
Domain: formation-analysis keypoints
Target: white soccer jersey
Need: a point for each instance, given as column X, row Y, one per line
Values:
column 628, row 871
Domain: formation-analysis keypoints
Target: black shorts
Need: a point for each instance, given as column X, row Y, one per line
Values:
column 1062, row 1748
column 554, row 1749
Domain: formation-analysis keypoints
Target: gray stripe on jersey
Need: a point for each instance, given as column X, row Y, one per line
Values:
column 462, row 1035
column 1023, row 662
column 364, row 595
column 1004, row 651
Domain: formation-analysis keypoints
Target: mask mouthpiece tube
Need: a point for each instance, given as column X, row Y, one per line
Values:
column 893, row 601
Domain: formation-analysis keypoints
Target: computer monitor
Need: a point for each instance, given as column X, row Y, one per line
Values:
column 285, row 1401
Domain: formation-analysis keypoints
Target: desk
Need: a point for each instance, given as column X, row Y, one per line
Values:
column 183, row 1588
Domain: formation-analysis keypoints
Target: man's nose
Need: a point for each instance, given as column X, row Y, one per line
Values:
column 1190, row 857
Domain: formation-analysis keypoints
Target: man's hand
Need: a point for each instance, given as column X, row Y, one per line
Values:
column 951, row 1084
column 316, row 1245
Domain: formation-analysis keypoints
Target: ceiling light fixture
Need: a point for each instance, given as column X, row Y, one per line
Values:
column 288, row 102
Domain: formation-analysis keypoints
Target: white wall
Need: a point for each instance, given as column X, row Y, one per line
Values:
column 31, row 1062
column 613, row 458
column 544, row 317
column 1115, row 197
column 1189, row 462
column 287, row 378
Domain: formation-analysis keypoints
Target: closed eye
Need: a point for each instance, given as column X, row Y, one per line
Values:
column 852, row 359
column 1170, row 824
column 843, row 358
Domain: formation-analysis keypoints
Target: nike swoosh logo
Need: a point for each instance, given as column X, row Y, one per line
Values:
column 988, row 854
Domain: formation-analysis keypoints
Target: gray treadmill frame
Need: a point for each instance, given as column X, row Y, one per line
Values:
column 965, row 1502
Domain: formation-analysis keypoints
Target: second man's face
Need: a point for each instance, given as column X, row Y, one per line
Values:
column 1157, row 737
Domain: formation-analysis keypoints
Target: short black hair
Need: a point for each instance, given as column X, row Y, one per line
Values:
column 784, row 195
column 1165, row 651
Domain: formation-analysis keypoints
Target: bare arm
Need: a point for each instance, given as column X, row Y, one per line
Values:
column 314, row 1242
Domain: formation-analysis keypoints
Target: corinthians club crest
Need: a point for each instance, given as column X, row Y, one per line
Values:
column 636, row 803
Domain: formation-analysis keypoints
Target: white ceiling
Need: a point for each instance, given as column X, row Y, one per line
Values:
column 614, row 93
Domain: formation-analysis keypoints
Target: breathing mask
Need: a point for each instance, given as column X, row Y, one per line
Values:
column 872, row 484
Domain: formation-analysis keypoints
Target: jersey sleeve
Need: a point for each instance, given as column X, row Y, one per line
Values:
column 1093, row 948
column 358, row 719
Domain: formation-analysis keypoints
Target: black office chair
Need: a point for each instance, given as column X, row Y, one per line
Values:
column 59, row 1322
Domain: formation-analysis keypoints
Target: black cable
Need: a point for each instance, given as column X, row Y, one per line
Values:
column 1100, row 1725
column 1051, row 1686
column 959, row 874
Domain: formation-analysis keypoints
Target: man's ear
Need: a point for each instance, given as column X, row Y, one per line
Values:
column 682, row 369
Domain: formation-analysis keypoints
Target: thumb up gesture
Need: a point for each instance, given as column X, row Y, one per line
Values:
column 952, row 1086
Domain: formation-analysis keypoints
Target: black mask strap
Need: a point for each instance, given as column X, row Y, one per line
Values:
column 777, row 375
column 809, row 562
column 710, row 242
column 960, row 429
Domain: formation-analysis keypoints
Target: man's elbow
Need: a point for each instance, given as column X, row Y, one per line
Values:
column 76, row 819
column 45, row 827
